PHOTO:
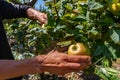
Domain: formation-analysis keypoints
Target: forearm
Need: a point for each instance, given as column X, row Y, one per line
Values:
column 12, row 68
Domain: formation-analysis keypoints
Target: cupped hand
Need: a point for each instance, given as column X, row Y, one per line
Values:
column 42, row 18
column 36, row 15
column 60, row 63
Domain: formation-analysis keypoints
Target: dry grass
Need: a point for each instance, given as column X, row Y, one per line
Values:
column 116, row 65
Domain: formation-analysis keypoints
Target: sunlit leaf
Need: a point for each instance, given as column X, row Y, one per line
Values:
column 115, row 34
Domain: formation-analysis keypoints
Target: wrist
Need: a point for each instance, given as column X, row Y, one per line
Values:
column 18, row 68
column 38, row 63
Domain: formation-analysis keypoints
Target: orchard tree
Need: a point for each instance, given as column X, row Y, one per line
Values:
column 93, row 22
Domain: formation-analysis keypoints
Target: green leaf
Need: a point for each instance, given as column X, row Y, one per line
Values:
column 80, row 18
column 111, row 49
column 115, row 77
column 104, row 71
column 88, row 16
column 105, row 50
column 79, row 27
column 95, row 5
column 59, row 27
column 100, row 73
column 111, row 71
column 105, row 21
column 115, row 34
column 69, row 6
column 98, row 51
column 105, row 62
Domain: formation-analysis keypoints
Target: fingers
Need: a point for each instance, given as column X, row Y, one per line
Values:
column 73, row 58
column 42, row 18
column 77, row 66
column 80, row 59
column 60, row 63
column 74, row 67
column 36, row 15
column 67, row 68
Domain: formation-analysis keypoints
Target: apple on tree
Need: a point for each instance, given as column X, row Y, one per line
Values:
column 78, row 49
column 115, row 8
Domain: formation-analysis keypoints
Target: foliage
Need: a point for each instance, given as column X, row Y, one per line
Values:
column 70, row 20
column 91, row 23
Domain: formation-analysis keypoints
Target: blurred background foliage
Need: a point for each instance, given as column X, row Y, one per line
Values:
column 69, row 21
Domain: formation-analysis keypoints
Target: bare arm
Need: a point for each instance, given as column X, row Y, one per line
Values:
column 13, row 68
column 55, row 62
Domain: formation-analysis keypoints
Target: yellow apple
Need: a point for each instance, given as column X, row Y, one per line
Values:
column 115, row 8
column 78, row 49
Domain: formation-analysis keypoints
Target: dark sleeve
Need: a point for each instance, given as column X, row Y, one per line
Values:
column 10, row 10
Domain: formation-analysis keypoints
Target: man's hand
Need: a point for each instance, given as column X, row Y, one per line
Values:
column 60, row 63
column 36, row 15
